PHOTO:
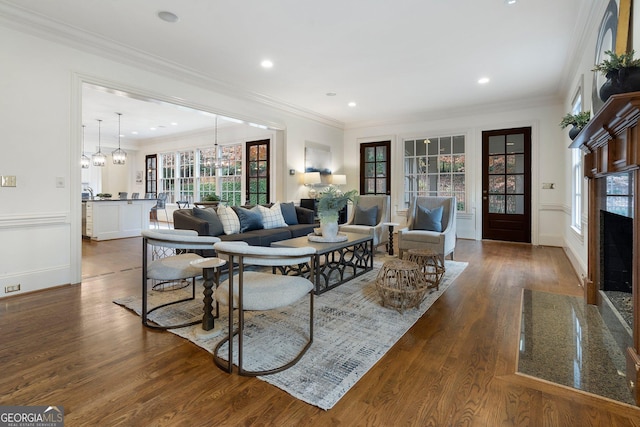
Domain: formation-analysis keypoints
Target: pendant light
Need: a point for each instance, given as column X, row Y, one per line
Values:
column 98, row 158
column 119, row 156
column 84, row 160
column 216, row 160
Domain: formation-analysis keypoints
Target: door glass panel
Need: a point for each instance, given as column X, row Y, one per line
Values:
column 496, row 164
column 515, row 163
column 515, row 205
column 515, row 184
column 515, row 143
column 421, row 148
column 496, row 144
column 381, row 169
column 369, row 154
column 381, row 185
column 370, row 185
column 369, row 169
column 410, row 166
column 496, row 204
column 381, row 154
column 496, row 184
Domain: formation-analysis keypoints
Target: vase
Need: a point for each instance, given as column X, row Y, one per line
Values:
column 620, row 81
column 329, row 229
column 574, row 132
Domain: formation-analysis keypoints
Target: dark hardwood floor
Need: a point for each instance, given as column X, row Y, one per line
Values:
column 71, row 346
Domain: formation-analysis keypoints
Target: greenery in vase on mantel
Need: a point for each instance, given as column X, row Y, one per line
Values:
column 332, row 201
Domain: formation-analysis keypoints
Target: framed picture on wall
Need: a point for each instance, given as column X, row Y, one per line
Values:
column 613, row 35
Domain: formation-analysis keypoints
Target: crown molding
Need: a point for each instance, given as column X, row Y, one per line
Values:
column 430, row 115
column 22, row 20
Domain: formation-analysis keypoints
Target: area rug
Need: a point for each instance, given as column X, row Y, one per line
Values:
column 352, row 331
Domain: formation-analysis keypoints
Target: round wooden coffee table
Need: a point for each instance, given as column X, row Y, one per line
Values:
column 401, row 284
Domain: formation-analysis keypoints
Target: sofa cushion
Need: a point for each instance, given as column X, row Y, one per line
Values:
column 229, row 219
column 430, row 220
column 250, row 219
column 300, row 230
column 289, row 213
column 366, row 216
column 210, row 215
column 249, row 238
column 266, row 237
column 272, row 217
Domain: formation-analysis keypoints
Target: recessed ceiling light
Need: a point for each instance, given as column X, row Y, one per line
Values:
column 174, row 124
column 135, row 132
column 331, row 94
column 510, row 1
column 168, row 16
column 266, row 64
column 483, row 80
column 352, row 104
column 152, row 128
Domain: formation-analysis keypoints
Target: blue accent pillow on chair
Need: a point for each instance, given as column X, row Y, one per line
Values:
column 364, row 216
column 210, row 215
column 250, row 219
column 430, row 220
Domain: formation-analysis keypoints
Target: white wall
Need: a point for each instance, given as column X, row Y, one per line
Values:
column 548, row 145
column 40, row 106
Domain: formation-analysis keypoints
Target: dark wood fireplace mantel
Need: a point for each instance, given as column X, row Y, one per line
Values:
column 611, row 142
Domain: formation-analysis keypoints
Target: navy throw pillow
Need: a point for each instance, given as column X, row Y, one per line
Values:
column 210, row 215
column 289, row 213
column 430, row 220
column 250, row 219
column 366, row 216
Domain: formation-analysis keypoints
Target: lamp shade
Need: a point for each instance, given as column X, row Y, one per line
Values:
column 339, row 180
column 312, row 178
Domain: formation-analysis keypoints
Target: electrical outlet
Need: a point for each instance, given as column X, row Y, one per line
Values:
column 11, row 288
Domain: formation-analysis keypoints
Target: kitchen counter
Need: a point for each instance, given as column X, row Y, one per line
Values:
column 115, row 218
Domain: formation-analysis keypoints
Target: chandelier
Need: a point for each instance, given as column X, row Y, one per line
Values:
column 98, row 158
column 84, row 160
column 119, row 156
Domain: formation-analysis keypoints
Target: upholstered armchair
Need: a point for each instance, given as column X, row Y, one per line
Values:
column 431, row 224
column 369, row 212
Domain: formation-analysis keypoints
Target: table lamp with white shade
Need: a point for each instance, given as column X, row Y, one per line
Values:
column 311, row 179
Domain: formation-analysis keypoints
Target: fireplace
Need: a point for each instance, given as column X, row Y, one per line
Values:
column 611, row 143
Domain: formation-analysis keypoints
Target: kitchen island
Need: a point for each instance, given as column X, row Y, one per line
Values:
column 115, row 218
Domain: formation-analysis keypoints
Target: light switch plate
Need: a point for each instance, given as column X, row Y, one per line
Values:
column 8, row 181
column 548, row 186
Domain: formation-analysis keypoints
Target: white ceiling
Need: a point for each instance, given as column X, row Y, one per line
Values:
column 393, row 58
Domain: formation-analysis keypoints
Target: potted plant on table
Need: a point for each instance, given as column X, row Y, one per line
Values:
column 622, row 73
column 330, row 203
column 577, row 120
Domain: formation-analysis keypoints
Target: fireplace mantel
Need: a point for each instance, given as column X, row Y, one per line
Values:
column 611, row 143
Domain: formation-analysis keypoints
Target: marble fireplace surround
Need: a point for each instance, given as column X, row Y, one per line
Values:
column 611, row 143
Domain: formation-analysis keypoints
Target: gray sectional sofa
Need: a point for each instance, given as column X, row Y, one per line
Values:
column 186, row 220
